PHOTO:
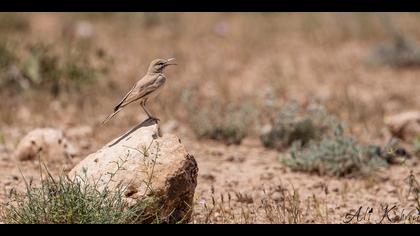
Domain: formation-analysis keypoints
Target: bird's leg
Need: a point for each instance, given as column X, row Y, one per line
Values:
column 144, row 108
column 143, row 105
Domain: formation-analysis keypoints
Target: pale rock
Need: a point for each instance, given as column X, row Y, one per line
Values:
column 145, row 165
column 50, row 144
column 405, row 126
column 79, row 132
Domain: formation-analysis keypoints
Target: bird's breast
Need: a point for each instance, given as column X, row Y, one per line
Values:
column 159, row 85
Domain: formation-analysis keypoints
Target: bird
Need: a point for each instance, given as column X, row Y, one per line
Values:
column 146, row 88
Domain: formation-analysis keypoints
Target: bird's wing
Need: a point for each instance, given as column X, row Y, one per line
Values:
column 123, row 100
column 143, row 88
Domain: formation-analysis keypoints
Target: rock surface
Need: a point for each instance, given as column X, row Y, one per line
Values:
column 50, row 144
column 405, row 126
column 79, row 132
column 145, row 164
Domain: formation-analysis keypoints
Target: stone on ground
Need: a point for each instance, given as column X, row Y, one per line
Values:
column 47, row 143
column 145, row 165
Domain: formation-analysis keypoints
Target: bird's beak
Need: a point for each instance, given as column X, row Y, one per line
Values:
column 169, row 60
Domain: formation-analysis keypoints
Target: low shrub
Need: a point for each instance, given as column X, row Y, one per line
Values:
column 288, row 127
column 66, row 201
column 336, row 155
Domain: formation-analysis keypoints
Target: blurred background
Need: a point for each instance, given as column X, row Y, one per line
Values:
column 256, row 97
column 235, row 70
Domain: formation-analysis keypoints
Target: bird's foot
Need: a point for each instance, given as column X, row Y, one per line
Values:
column 154, row 118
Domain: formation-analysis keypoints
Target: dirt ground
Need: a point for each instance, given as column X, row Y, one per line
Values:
column 236, row 57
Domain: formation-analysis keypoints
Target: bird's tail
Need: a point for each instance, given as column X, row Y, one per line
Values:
column 110, row 116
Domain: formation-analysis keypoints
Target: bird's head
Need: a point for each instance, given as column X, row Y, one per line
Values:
column 157, row 65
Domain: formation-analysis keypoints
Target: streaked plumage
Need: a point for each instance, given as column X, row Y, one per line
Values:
column 145, row 89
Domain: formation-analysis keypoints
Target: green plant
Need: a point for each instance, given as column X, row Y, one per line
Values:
column 289, row 127
column 416, row 146
column 2, row 138
column 7, row 58
column 336, row 155
column 73, row 68
column 43, row 66
column 400, row 52
column 69, row 201
column 9, row 67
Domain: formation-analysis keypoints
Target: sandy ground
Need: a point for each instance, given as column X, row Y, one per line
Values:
column 249, row 173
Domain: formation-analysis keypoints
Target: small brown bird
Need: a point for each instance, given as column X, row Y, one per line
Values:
column 146, row 88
